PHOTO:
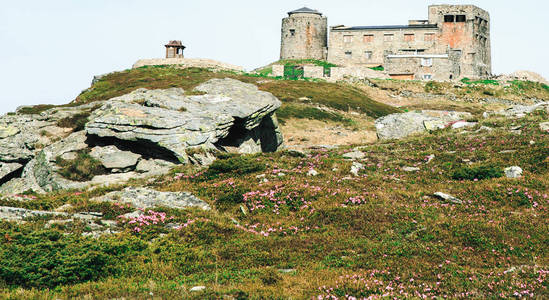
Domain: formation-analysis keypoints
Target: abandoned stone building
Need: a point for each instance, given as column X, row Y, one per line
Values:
column 453, row 43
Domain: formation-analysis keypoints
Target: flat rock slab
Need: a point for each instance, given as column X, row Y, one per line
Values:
column 396, row 126
column 20, row 214
column 173, row 122
column 148, row 198
column 113, row 158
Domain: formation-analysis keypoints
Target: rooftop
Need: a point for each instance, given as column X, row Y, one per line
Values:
column 175, row 44
column 305, row 10
column 384, row 27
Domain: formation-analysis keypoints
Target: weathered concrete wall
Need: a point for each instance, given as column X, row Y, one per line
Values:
column 304, row 36
column 450, row 28
column 440, row 67
column 367, row 47
column 313, row 72
column 338, row 73
column 278, row 70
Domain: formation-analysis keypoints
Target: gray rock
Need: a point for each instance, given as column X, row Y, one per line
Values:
column 8, row 168
column 148, row 198
column 513, row 172
column 462, row 124
column 113, row 158
column 356, row 167
column 400, row 125
column 154, row 166
column 231, row 114
column 518, row 111
column 197, row 288
column 354, row 155
column 20, row 214
column 312, row 172
column 544, row 126
column 411, row 169
column 448, row 198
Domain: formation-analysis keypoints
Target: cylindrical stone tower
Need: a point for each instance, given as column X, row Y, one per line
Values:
column 304, row 35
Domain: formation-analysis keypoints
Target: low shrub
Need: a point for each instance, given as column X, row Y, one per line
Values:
column 480, row 172
column 234, row 164
column 83, row 168
column 76, row 122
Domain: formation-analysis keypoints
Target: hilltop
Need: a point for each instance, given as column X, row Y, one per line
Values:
column 334, row 213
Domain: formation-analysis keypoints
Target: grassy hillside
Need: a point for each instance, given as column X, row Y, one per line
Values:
column 338, row 96
column 299, row 236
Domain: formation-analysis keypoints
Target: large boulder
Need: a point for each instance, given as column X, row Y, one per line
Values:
column 400, row 125
column 230, row 114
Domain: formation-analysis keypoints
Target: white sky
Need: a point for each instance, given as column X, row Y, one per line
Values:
column 50, row 50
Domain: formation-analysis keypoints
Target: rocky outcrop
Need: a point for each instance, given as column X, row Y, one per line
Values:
column 231, row 114
column 147, row 198
column 137, row 135
column 400, row 125
column 519, row 111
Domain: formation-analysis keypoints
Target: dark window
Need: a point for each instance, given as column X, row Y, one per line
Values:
column 460, row 18
column 292, row 32
column 449, row 18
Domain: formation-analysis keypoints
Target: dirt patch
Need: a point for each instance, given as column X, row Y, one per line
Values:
column 301, row 133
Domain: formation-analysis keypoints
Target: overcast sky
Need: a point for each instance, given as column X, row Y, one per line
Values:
column 50, row 50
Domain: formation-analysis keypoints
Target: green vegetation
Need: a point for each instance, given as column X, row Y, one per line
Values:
column 36, row 109
column 337, row 234
column 481, row 82
column 82, row 168
column 477, row 173
column 337, row 96
column 378, row 68
column 77, row 122
column 298, row 111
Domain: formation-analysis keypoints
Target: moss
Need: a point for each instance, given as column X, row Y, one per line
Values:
column 36, row 109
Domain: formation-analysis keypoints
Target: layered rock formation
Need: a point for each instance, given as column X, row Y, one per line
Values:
column 139, row 134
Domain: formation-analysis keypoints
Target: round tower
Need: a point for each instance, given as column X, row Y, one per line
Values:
column 304, row 35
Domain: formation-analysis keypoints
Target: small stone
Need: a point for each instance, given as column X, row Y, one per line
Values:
column 507, row 151
column 484, row 128
column 281, row 174
column 354, row 155
column 312, row 172
column 356, row 167
column 410, row 169
column 64, row 208
column 430, row 158
column 544, row 126
column 513, row 172
column 260, row 176
column 532, row 142
column 198, row 288
column 286, row 271
column 448, row 198
column 461, row 124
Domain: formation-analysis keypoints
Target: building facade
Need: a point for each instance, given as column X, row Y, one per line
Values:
column 453, row 43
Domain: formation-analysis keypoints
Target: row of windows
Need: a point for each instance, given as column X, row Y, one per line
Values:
column 389, row 37
column 455, row 18
column 425, row 62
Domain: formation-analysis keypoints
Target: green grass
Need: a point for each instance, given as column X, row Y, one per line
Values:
column 337, row 96
column 297, row 111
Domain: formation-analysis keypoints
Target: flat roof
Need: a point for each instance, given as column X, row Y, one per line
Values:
column 386, row 27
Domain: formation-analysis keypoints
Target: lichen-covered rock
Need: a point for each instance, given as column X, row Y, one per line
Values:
column 519, row 110
column 148, row 198
column 396, row 126
column 113, row 158
column 231, row 113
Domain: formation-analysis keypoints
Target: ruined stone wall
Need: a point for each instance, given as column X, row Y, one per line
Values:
column 440, row 67
column 304, row 36
column 367, row 47
column 313, row 71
